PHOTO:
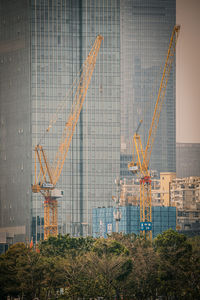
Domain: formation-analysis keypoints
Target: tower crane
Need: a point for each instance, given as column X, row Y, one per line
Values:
column 141, row 157
column 46, row 176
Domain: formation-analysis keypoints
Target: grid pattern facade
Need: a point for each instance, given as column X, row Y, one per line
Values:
column 62, row 33
column 146, row 27
column 104, row 223
column 187, row 162
column 43, row 45
column 15, row 120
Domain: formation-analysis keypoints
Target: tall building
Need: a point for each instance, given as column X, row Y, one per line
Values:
column 146, row 28
column 187, row 159
column 43, row 46
column 15, row 121
column 62, row 35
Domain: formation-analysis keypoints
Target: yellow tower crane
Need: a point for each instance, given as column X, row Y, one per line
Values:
column 140, row 160
column 46, row 176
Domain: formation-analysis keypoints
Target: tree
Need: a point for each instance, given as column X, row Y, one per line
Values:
column 109, row 246
column 74, row 276
column 30, row 270
column 193, row 274
column 22, row 272
column 53, row 277
column 142, row 281
column 64, row 244
column 120, row 266
column 108, row 273
column 174, row 262
column 9, row 279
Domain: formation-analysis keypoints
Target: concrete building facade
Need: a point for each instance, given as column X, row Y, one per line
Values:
column 160, row 190
column 165, row 181
column 185, row 195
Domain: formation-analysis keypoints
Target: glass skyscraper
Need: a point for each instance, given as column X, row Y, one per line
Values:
column 62, row 33
column 15, row 122
column 53, row 38
column 145, row 31
column 187, row 159
column 43, row 46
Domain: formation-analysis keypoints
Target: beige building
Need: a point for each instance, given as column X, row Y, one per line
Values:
column 185, row 195
column 130, row 190
column 165, row 181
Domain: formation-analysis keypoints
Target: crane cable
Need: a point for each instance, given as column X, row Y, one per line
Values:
column 153, row 97
column 63, row 103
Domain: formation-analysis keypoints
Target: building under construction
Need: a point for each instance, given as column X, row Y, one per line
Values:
column 169, row 191
column 43, row 46
column 104, row 221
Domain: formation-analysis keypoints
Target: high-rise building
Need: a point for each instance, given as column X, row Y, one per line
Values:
column 62, row 35
column 15, row 121
column 187, row 159
column 43, row 46
column 146, row 28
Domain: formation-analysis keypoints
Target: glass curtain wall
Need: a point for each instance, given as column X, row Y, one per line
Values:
column 15, row 141
column 146, row 28
column 62, row 34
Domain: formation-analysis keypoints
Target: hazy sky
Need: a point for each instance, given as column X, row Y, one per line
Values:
column 188, row 72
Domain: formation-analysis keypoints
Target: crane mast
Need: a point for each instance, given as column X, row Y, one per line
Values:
column 140, row 159
column 46, row 176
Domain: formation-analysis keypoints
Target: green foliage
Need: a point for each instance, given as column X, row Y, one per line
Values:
column 108, row 273
column 30, row 273
column 143, row 280
column 9, row 269
column 193, row 274
column 109, row 247
column 174, row 263
column 171, row 242
column 64, row 244
column 121, row 266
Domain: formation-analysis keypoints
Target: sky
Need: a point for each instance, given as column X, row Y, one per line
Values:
column 188, row 72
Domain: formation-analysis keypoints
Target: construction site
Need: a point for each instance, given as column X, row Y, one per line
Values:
column 48, row 175
column 91, row 103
